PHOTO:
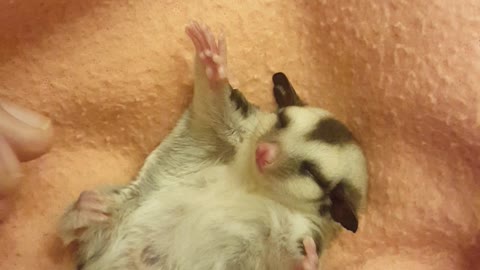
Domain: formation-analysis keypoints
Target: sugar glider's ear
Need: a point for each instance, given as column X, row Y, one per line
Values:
column 344, row 206
column 284, row 92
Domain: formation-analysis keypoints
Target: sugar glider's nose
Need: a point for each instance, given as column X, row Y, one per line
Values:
column 265, row 154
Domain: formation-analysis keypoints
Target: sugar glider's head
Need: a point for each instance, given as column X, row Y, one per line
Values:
column 310, row 158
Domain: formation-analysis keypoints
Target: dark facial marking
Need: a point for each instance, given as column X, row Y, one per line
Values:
column 344, row 203
column 287, row 168
column 240, row 101
column 331, row 131
column 283, row 120
column 324, row 209
column 284, row 93
column 80, row 266
column 308, row 169
column 149, row 256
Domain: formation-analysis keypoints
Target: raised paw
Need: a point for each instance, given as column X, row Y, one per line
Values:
column 211, row 53
column 310, row 260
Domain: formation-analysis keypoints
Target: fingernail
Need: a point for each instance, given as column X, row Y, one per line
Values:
column 27, row 116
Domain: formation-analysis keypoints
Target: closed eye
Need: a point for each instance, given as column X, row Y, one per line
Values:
column 308, row 169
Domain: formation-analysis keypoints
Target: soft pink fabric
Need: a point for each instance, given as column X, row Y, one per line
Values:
column 115, row 76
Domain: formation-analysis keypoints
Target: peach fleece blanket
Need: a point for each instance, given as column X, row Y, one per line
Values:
column 116, row 75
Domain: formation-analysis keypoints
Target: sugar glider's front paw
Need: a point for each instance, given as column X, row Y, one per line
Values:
column 91, row 208
column 310, row 260
column 211, row 53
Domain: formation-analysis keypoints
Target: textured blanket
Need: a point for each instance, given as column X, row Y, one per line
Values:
column 115, row 76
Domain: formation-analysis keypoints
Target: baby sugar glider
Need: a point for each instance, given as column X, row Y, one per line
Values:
column 232, row 187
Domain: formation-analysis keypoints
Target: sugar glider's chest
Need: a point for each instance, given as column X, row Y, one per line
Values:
column 210, row 189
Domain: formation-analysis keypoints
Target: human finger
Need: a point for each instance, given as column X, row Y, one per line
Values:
column 29, row 134
column 9, row 168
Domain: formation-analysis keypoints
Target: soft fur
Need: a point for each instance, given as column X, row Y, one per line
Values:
column 200, row 201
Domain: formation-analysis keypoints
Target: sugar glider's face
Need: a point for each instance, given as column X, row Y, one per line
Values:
column 309, row 156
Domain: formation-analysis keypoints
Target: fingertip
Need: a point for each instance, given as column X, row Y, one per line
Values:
column 26, row 116
column 10, row 171
column 28, row 133
column 39, row 144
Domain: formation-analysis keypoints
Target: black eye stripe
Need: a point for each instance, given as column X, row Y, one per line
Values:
column 308, row 169
column 282, row 119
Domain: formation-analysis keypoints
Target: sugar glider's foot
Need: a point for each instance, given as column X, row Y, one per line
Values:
column 211, row 53
column 310, row 261
column 90, row 209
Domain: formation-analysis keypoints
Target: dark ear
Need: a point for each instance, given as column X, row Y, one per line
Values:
column 284, row 92
column 343, row 208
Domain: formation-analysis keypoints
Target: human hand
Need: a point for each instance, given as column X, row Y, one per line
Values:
column 24, row 135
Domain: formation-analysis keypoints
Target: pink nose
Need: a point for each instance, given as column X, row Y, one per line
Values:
column 265, row 154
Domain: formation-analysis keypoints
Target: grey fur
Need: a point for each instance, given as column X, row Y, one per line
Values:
column 197, row 203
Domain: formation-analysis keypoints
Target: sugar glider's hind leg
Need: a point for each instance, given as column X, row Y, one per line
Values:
column 89, row 210
column 310, row 260
column 212, row 128
column 90, row 221
column 211, row 58
column 219, row 114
